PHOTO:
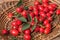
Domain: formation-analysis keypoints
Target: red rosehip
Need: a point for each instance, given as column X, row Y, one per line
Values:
column 33, row 19
column 25, row 16
column 35, row 8
column 4, row 31
column 24, row 13
column 58, row 12
column 32, row 23
column 45, row 4
column 41, row 8
column 27, row 37
column 14, row 23
column 10, row 15
column 51, row 8
column 46, row 9
column 20, row 29
column 27, row 32
column 42, row 14
column 36, row 13
column 41, row 19
column 48, row 14
column 41, row 30
column 46, row 22
column 19, row 10
column 15, row 27
column 31, row 8
column 47, row 30
column 18, row 22
column 54, row 5
column 36, row 3
column 45, row 1
column 50, row 19
column 32, row 14
column 37, row 29
column 48, row 25
column 51, row 12
column 14, row 32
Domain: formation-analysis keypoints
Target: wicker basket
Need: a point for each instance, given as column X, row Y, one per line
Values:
column 10, row 5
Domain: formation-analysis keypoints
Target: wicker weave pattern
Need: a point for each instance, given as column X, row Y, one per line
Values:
column 9, row 6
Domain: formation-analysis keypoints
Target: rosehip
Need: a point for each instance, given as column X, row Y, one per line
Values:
column 36, row 3
column 42, row 14
column 46, row 9
column 46, row 22
column 33, row 19
column 36, row 13
column 14, row 32
column 51, row 8
column 45, row 4
column 51, row 12
column 27, row 32
column 50, row 19
column 37, row 29
column 45, row 1
column 48, row 25
column 24, row 13
column 15, row 27
column 47, row 31
column 32, row 14
column 48, row 14
column 31, row 8
column 41, row 19
column 32, row 23
column 20, row 29
column 10, row 15
column 41, row 8
column 41, row 30
column 54, row 5
column 18, row 22
column 14, row 23
column 58, row 12
column 35, row 8
column 25, row 16
column 4, row 31
column 19, row 10
column 27, row 37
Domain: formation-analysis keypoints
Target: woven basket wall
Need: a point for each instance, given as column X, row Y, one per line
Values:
column 10, row 5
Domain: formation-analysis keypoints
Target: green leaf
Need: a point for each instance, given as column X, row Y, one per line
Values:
column 25, row 26
column 29, row 18
column 14, row 38
column 26, row 7
column 19, row 3
column 17, row 15
column 35, row 20
column 33, row 27
column 23, row 19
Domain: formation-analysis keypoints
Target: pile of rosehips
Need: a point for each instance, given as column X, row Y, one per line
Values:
column 40, row 16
